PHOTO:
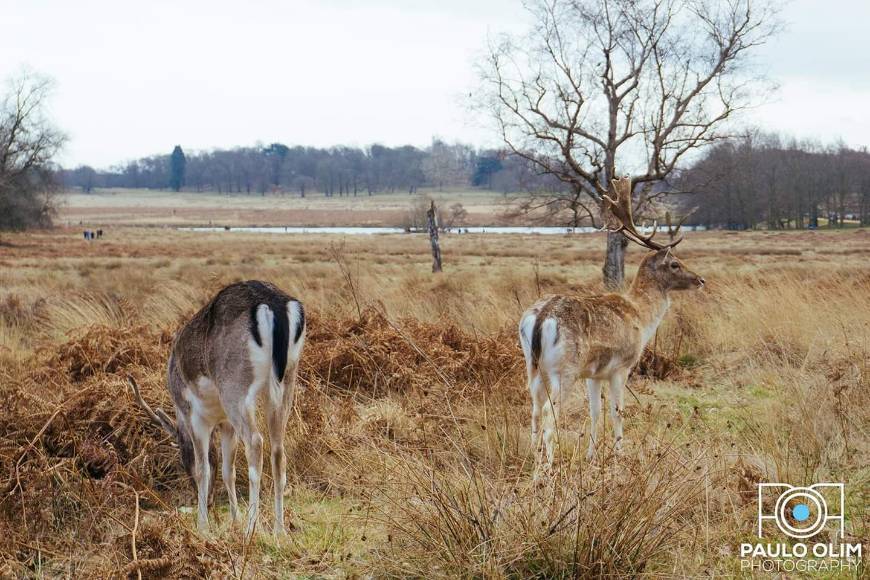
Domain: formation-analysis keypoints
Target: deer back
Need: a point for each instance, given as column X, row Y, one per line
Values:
column 217, row 337
column 597, row 330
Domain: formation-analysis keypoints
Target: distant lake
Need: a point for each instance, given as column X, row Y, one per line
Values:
column 354, row 230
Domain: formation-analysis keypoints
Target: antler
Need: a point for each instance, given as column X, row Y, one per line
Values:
column 620, row 210
column 159, row 417
column 673, row 231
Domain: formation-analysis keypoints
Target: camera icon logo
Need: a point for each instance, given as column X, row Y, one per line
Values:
column 802, row 512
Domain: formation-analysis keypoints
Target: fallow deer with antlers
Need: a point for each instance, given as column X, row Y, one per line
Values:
column 598, row 338
column 245, row 343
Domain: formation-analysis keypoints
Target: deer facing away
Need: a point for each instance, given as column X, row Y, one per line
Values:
column 598, row 338
column 243, row 344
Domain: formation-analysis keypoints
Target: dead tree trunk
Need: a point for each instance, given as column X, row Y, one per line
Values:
column 432, row 219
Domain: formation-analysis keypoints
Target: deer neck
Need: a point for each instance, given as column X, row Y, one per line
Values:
column 652, row 303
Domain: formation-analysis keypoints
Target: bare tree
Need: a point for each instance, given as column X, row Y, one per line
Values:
column 85, row 177
column 448, row 165
column 605, row 86
column 456, row 216
column 28, row 143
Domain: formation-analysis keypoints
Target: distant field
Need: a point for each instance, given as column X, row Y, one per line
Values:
column 148, row 207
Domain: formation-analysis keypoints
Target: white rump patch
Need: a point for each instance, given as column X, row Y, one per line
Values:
column 261, row 356
column 551, row 352
column 295, row 316
column 527, row 326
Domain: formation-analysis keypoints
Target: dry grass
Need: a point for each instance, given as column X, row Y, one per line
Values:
column 111, row 207
column 409, row 453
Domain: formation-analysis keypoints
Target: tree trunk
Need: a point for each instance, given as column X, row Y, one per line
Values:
column 614, row 261
column 575, row 216
column 432, row 219
column 865, row 208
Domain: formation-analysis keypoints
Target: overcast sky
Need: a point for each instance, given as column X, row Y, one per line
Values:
column 133, row 79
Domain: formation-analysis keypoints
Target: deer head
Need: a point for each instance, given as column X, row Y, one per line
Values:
column 661, row 267
column 178, row 433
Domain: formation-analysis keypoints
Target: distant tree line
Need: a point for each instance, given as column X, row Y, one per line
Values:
column 756, row 180
column 765, row 180
column 341, row 171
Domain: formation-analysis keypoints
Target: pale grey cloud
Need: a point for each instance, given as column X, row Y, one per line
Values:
column 821, row 62
column 134, row 79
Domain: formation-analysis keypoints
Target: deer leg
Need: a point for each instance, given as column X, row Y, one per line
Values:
column 552, row 406
column 593, row 391
column 254, row 454
column 253, row 442
column 539, row 398
column 280, row 404
column 201, row 435
column 617, row 405
column 229, row 442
